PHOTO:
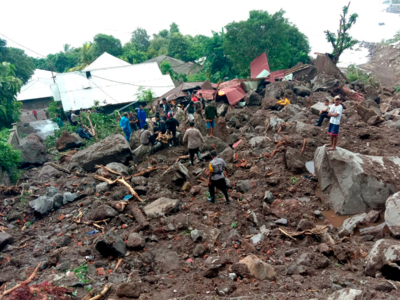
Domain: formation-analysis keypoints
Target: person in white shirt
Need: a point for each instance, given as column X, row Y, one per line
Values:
column 335, row 113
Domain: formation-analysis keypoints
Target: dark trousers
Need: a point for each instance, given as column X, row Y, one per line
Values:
column 174, row 137
column 192, row 152
column 322, row 117
column 219, row 184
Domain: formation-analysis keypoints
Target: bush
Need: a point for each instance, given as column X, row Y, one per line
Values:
column 54, row 109
column 354, row 74
column 397, row 89
column 10, row 159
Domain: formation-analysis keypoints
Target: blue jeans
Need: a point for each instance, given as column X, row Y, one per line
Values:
column 127, row 135
column 210, row 124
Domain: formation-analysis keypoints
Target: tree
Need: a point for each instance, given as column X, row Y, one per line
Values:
column 134, row 56
column 173, row 28
column 159, row 45
column 342, row 40
column 23, row 64
column 178, row 47
column 10, row 86
column 163, row 33
column 67, row 48
column 141, row 39
column 106, row 43
column 274, row 34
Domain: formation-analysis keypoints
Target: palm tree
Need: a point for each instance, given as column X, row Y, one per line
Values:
column 86, row 57
column 67, row 48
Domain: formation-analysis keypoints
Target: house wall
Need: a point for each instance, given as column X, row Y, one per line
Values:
column 36, row 103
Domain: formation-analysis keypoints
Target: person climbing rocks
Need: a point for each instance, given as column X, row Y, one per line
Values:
column 217, row 177
column 195, row 141
column 335, row 113
column 210, row 114
column 126, row 126
column 189, row 112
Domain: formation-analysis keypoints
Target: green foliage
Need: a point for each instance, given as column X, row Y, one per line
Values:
column 178, row 47
column 397, row 89
column 24, row 65
column 294, row 179
column 141, row 39
column 10, row 159
column 9, row 88
column 81, row 273
column 342, row 41
column 201, row 76
column 274, row 34
column 144, row 95
column 134, row 56
column 234, row 224
column 174, row 28
column 55, row 109
column 354, row 74
column 106, row 43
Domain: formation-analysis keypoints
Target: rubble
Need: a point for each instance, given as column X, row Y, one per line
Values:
column 69, row 141
column 392, row 213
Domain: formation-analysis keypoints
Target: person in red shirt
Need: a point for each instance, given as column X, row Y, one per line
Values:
column 34, row 113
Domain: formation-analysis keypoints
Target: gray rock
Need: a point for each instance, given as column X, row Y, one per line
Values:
column 176, row 175
column 102, row 187
column 383, row 252
column 51, row 191
column 348, row 183
column 69, row 197
column 317, row 107
column 48, row 172
column 135, row 241
column 350, row 225
column 69, row 141
column 161, row 207
column 295, row 161
column 258, row 268
column 258, row 238
column 274, row 123
column 222, row 109
column 220, row 145
column 301, row 90
column 259, row 142
column 305, row 224
column 114, row 148
column 375, row 231
column 111, row 245
column 392, row 214
column 232, row 276
column 346, row 294
column 227, row 154
column 196, row 235
column 33, row 150
column 243, row 186
column 58, row 201
column 140, row 180
column 199, row 250
column 129, row 290
column 42, row 205
column 281, row 222
column 5, row 239
column 118, row 167
column 102, row 212
column 268, row 197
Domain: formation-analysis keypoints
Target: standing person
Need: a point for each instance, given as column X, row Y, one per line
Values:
column 165, row 107
column 203, row 102
column 141, row 116
column 34, row 112
column 323, row 113
column 47, row 114
column 335, row 113
column 126, row 126
column 194, row 98
column 170, row 113
column 74, row 122
column 59, row 121
column 172, row 124
column 217, row 177
column 133, row 121
column 195, row 141
column 189, row 112
column 211, row 113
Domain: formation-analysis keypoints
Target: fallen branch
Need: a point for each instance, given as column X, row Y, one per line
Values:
column 149, row 170
column 182, row 157
column 91, row 126
column 101, row 178
column 131, row 190
column 102, row 294
column 304, row 145
column 133, row 209
column 24, row 282
column 118, row 263
column 55, row 166
column 88, row 296
column 108, row 169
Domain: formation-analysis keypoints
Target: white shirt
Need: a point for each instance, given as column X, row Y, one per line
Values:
column 336, row 110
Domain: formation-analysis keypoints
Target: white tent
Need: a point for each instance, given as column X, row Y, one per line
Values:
column 38, row 86
column 109, row 83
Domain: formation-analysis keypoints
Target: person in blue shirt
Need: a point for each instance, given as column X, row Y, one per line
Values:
column 141, row 116
column 126, row 126
column 59, row 121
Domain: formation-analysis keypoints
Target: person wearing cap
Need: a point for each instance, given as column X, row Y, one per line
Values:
column 195, row 141
column 210, row 114
column 217, row 177
column 335, row 113
column 323, row 113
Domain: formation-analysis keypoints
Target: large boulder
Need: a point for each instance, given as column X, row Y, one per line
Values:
column 301, row 90
column 369, row 115
column 324, row 82
column 277, row 89
column 48, row 172
column 161, row 207
column 253, row 99
column 352, row 182
column 392, row 214
column 119, row 168
column 382, row 254
column 175, row 176
column 211, row 143
column 69, row 141
column 317, row 107
column 222, row 109
column 295, row 161
column 227, row 154
column 33, row 150
column 114, row 148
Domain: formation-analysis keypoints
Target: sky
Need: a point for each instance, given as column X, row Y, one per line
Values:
column 45, row 25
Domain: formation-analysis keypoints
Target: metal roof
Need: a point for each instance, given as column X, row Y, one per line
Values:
column 177, row 65
column 38, row 86
column 105, row 61
column 258, row 65
column 114, row 85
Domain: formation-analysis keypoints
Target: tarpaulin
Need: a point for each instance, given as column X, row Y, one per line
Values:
column 258, row 65
column 233, row 90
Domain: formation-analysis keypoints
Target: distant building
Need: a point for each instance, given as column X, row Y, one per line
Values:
column 110, row 81
column 36, row 93
column 177, row 65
